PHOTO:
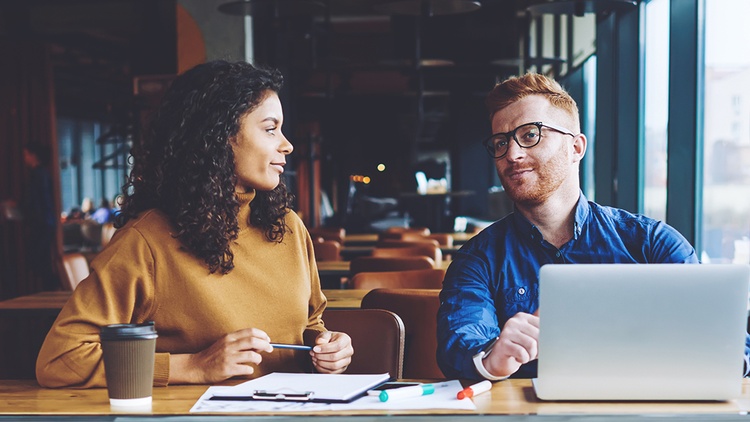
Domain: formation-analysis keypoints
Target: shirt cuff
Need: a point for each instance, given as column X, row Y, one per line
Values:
column 161, row 369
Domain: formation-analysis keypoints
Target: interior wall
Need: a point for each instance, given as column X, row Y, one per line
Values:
column 191, row 47
column 223, row 35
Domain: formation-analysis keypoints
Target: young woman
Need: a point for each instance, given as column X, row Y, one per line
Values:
column 207, row 247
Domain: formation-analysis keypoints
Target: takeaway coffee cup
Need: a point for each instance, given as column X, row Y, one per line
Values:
column 128, row 351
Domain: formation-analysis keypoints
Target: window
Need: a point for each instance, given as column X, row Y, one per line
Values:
column 726, row 149
column 92, row 161
column 656, row 109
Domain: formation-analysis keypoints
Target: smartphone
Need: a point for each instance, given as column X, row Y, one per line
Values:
column 388, row 386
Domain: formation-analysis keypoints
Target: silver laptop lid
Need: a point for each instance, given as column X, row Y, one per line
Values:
column 642, row 332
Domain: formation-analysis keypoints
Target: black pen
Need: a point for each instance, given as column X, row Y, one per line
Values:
column 290, row 346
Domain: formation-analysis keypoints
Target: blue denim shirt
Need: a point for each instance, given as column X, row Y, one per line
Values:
column 496, row 274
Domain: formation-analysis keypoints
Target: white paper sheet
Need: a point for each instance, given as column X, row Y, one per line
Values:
column 325, row 387
column 443, row 398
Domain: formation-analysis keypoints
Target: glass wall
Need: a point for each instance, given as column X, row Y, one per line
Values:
column 656, row 108
column 92, row 162
column 726, row 172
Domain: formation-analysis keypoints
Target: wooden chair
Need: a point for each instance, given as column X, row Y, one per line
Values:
column 328, row 233
column 375, row 264
column 414, row 279
column 377, row 338
column 418, row 309
column 76, row 269
column 430, row 251
column 327, row 250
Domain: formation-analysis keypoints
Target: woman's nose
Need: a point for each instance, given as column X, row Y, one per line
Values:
column 286, row 146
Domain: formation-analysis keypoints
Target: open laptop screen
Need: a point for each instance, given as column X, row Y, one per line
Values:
column 642, row 331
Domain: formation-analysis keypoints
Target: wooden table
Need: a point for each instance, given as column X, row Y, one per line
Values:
column 50, row 303
column 350, row 252
column 344, row 298
column 341, row 268
column 510, row 397
column 369, row 239
column 25, row 321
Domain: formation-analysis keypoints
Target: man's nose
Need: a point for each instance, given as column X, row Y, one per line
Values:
column 514, row 151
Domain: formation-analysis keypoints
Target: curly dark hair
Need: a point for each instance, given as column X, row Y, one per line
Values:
column 185, row 164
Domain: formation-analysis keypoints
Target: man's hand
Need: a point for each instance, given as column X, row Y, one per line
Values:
column 332, row 352
column 518, row 344
column 227, row 357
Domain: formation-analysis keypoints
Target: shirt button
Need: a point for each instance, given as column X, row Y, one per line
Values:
column 557, row 254
column 521, row 291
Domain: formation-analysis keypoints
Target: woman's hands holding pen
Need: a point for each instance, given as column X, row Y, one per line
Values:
column 227, row 357
column 332, row 353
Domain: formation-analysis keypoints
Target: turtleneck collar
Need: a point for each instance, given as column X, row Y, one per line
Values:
column 243, row 216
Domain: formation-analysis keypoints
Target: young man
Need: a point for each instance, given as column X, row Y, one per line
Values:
column 491, row 288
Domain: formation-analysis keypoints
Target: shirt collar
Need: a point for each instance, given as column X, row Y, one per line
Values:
column 529, row 231
column 243, row 215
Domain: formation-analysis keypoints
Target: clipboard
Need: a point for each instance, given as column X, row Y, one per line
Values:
column 316, row 388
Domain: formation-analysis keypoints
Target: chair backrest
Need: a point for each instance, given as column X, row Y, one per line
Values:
column 377, row 338
column 375, row 264
column 328, row 233
column 444, row 239
column 413, row 279
column 76, row 269
column 418, row 309
column 327, row 250
column 92, row 232
column 397, row 229
column 430, row 251
column 108, row 230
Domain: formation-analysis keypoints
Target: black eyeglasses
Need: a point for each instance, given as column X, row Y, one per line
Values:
column 527, row 135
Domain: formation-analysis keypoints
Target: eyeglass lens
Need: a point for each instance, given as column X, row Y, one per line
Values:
column 526, row 135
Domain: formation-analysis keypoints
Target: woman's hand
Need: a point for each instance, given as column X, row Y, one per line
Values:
column 332, row 352
column 228, row 357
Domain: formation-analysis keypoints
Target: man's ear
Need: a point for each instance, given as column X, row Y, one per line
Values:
column 579, row 147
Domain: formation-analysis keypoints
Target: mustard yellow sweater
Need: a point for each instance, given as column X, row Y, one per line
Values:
column 145, row 274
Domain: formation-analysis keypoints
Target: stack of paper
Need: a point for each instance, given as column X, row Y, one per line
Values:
column 329, row 392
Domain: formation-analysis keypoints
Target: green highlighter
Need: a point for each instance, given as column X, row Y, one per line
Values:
column 405, row 392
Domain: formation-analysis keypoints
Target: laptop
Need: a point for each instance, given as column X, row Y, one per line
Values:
column 642, row 331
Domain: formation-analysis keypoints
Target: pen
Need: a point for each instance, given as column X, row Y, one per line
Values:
column 473, row 390
column 404, row 392
column 290, row 346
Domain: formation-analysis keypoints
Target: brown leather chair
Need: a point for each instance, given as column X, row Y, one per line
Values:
column 76, row 269
column 414, row 279
column 418, row 309
column 375, row 264
column 397, row 229
column 377, row 338
column 326, row 250
column 328, row 233
column 444, row 239
column 430, row 251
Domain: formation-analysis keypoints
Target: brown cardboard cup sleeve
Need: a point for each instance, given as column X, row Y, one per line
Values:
column 128, row 351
